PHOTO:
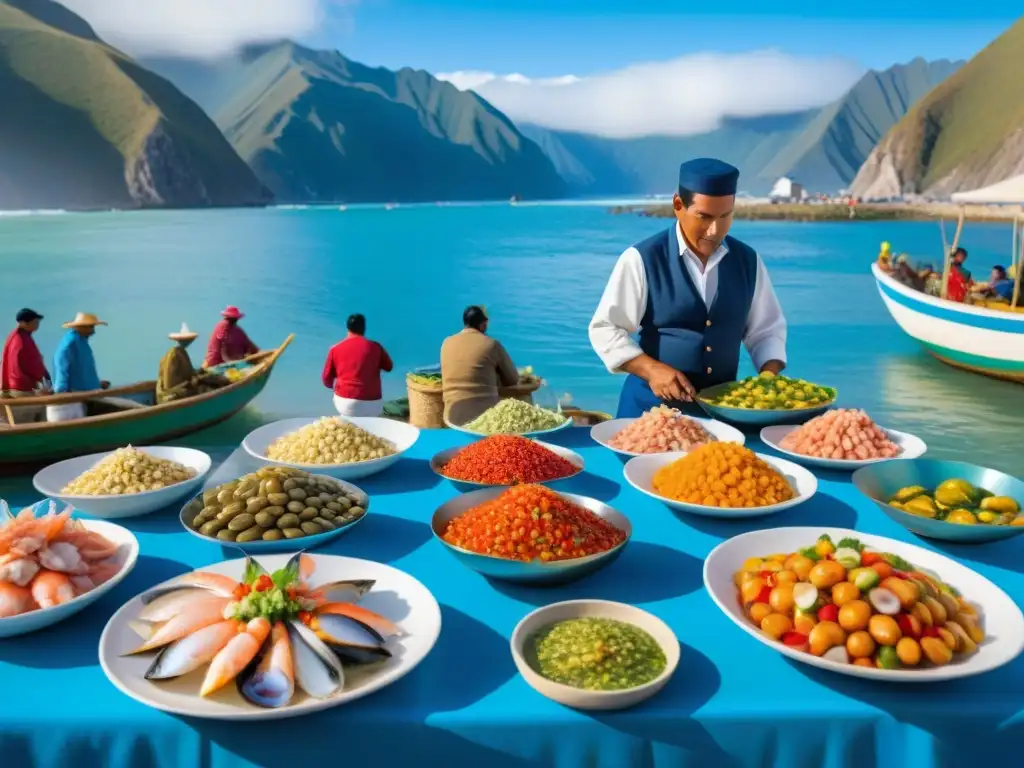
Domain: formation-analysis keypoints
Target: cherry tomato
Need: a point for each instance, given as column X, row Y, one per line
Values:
column 870, row 558
column 828, row 613
column 764, row 595
column 930, row 632
column 795, row 640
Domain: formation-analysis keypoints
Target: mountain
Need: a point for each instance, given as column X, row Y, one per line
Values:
column 967, row 133
column 821, row 148
column 84, row 126
column 318, row 127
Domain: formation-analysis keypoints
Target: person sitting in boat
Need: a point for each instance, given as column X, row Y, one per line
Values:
column 353, row 370
column 75, row 367
column 1000, row 286
column 473, row 367
column 885, row 257
column 228, row 342
column 177, row 379
column 22, row 370
column 958, row 284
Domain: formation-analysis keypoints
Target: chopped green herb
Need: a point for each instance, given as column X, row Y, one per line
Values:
column 825, row 537
column 851, row 544
column 810, row 552
column 897, row 562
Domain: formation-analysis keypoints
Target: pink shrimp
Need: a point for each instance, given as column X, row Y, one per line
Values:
column 13, row 599
column 50, row 588
column 235, row 656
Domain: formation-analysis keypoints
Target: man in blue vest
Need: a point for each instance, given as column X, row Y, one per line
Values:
column 693, row 295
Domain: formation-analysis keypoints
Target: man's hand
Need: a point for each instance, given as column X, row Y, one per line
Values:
column 773, row 366
column 104, row 385
column 669, row 384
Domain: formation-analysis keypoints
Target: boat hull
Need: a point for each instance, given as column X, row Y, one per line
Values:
column 980, row 340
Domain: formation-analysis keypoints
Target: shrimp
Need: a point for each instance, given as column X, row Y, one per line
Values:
column 50, row 588
column 17, row 570
column 13, row 599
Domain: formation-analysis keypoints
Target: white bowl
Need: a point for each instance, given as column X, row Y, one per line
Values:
column 395, row 594
column 50, row 482
column 569, row 422
column 603, row 433
column 127, row 555
column 1001, row 618
column 639, row 471
column 912, row 448
column 402, row 436
column 605, row 609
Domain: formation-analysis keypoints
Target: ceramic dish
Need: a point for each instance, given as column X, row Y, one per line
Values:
column 579, row 698
column 394, row 594
column 126, row 557
column 604, row 432
column 440, row 459
column 881, row 481
column 911, row 448
column 403, row 436
column 639, row 472
column 753, row 417
column 534, row 572
column 1001, row 618
column 192, row 508
column 51, row 481
column 564, row 425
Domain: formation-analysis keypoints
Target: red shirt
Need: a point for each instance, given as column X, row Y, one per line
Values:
column 21, row 368
column 957, row 286
column 227, row 343
column 353, row 368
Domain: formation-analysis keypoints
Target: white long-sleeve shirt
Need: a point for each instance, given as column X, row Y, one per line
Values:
column 624, row 302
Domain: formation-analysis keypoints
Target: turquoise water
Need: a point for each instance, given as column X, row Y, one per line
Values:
column 538, row 269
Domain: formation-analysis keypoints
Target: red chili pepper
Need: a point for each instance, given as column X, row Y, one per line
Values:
column 508, row 460
column 870, row 558
column 794, row 639
column 763, row 595
column 769, row 577
column 930, row 632
column 305, row 616
column 828, row 613
column 240, row 592
column 909, row 625
column 263, row 583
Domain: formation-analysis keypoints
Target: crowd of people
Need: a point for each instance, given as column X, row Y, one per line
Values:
column 23, row 372
column 960, row 285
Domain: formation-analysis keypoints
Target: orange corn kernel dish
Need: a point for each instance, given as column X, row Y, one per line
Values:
column 722, row 475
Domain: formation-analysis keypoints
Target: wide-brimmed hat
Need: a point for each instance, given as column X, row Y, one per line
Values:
column 232, row 313
column 183, row 334
column 84, row 320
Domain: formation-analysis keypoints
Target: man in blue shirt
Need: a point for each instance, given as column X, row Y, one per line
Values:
column 1000, row 285
column 74, row 367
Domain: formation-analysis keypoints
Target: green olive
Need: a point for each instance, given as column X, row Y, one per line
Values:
column 356, row 512
column 242, row 521
column 255, row 504
column 288, row 484
column 274, row 511
column 229, row 512
column 265, row 520
column 293, row 533
column 225, row 496
column 327, row 514
column 210, row 511
column 296, row 506
column 289, row 520
column 273, row 485
column 250, row 534
column 325, row 524
column 226, row 534
column 278, row 499
column 297, row 493
column 272, row 535
column 210, row 496
column 314, row 502
column 311, row 528
column 307, row 514
column 212, row 527
column 333, row 506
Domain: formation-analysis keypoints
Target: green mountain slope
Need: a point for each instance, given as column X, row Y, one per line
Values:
column 967, row 133
column 823, row 149
column 83, row 126
column 317, row 127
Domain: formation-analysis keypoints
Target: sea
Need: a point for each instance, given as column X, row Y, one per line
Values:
column 538, row 268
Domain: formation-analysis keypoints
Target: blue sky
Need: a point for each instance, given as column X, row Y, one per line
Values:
column 546, row 38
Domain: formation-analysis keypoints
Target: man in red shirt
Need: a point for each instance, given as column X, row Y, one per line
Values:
column 22, row 370
column 353, row 371
column 228, row 342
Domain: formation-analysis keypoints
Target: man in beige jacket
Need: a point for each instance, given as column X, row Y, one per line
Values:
column 473, row 367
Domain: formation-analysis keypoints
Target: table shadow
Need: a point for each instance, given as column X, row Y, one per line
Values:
column 643, row 573
column 165, row 520
column 382, row 538
column 822, row 510
column 404, row 476
column 977, row 721
column 667, row 717
column 574, row 437
column 389, row 724
column 588, row 484
column 48, row 648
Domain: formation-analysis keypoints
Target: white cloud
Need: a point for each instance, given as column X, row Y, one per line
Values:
column 200, row 28
column 683, row 96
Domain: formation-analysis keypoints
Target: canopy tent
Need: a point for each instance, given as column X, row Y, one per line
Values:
column 1006, row 191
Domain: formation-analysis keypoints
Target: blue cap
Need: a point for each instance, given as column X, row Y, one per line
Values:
column 707, row 176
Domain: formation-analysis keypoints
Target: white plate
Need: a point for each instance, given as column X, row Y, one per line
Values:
column 574, row 609
column 127, row 555
column 639, row 471
column 403, row 436
column 1001, row 618
column 50, row 481
column 602, row 433
column 912, row 448
column 396, row 595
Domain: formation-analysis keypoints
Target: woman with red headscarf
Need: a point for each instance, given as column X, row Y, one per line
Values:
column 228, row 341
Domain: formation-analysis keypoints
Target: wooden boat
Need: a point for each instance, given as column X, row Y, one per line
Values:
column 122, row 415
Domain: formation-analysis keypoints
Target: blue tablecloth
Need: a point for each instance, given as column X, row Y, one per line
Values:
column 732, row 702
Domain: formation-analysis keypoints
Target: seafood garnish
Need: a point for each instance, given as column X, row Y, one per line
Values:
column 272, row 633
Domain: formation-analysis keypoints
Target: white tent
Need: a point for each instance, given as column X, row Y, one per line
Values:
column 1007, row 191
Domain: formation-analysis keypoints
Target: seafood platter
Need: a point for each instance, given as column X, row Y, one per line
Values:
column 277, row 637
column 662, row 430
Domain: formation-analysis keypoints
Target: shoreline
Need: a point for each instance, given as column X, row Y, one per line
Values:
column 840, row 212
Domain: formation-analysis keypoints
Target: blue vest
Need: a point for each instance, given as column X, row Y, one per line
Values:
column 678, row 329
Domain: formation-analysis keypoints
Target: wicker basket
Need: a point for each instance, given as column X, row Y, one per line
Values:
column 426, row 406
column 522, row 392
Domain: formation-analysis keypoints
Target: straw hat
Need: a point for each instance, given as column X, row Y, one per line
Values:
column 183, row 334
column 232, row 313
column 84, row 320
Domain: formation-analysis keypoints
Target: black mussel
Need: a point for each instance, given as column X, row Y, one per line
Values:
column 269, row 681
column 317, row 670
column 349, row 591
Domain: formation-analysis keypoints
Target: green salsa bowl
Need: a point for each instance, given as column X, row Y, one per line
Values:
column 644, row 657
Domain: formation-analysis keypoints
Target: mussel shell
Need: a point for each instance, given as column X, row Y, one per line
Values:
column 351, row 654
column 318, row 671
column 335, row 629
column 349, row 591
column 155, row 594
column 269, row 689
